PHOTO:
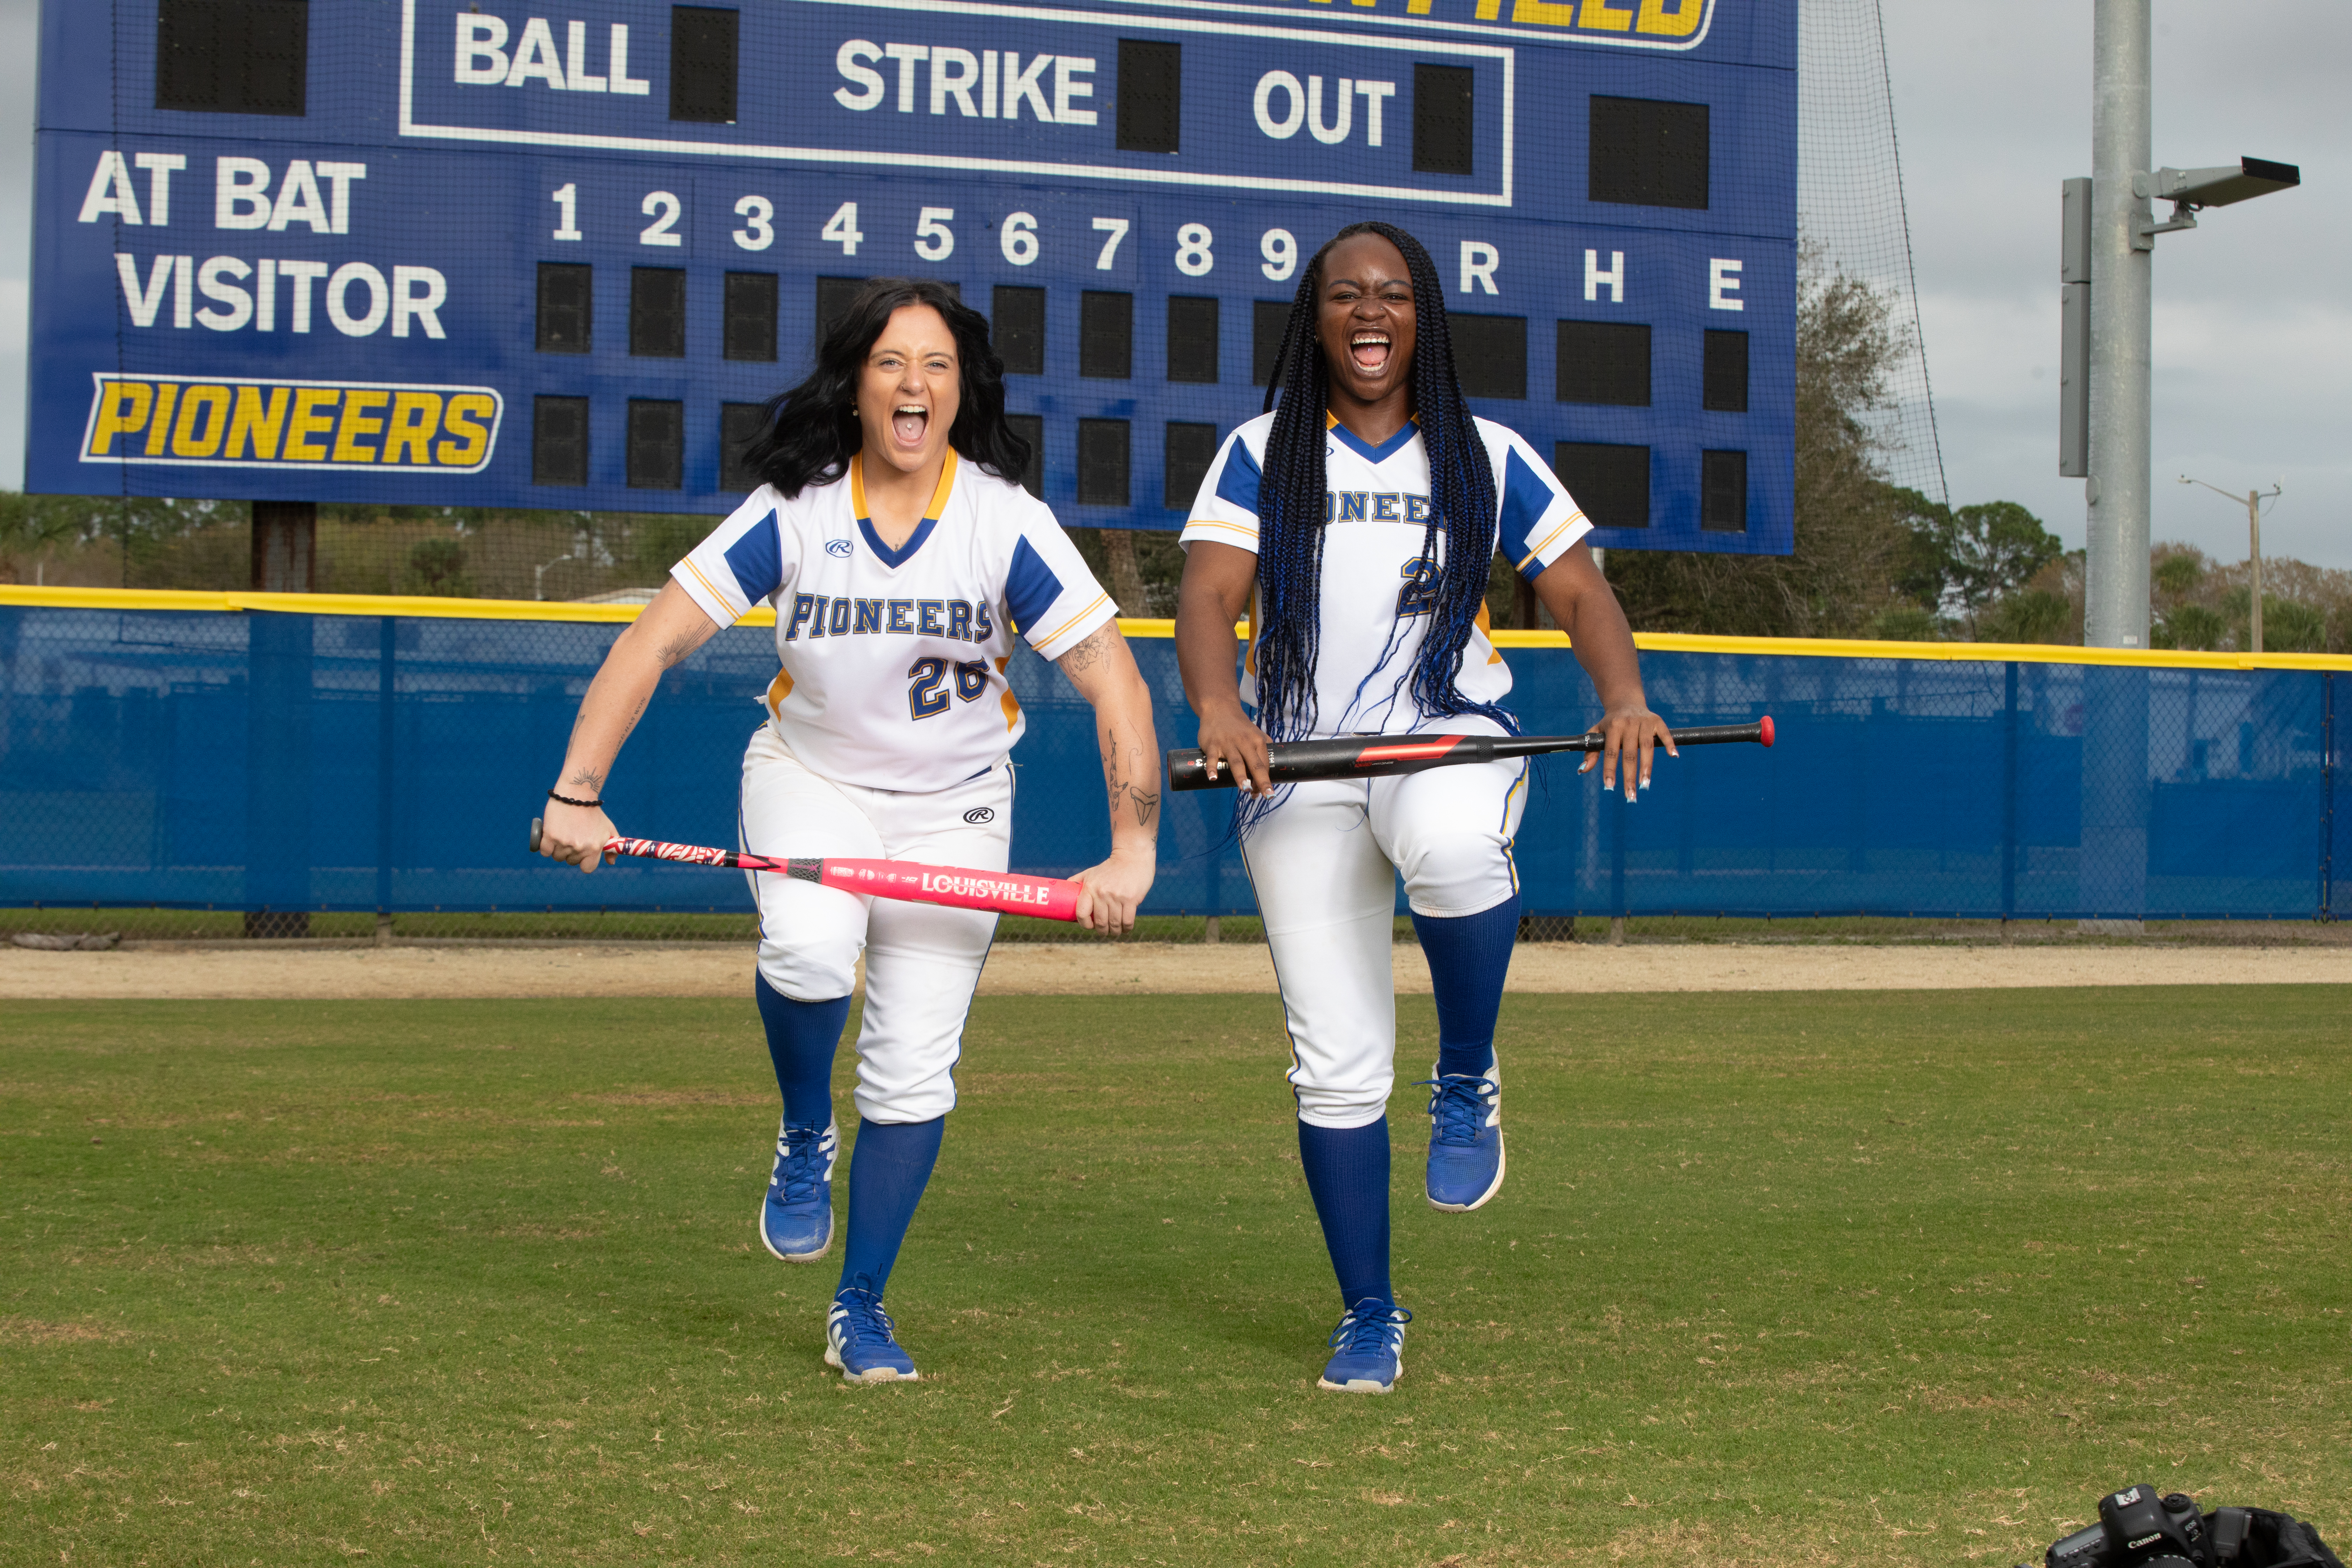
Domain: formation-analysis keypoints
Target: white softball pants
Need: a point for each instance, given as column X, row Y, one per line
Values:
column 922, row 961
column 1324, row 864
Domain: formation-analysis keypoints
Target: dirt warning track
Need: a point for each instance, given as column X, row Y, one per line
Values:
column 164, row 972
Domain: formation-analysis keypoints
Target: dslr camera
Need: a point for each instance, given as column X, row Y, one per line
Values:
column 2137, row 1529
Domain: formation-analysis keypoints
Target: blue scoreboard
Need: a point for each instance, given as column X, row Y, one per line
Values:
column 532, row 254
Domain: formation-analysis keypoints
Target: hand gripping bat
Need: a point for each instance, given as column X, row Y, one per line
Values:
column 1374, row 756
column 1006, row 892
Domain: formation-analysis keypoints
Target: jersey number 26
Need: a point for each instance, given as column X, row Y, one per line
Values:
column 927, row 697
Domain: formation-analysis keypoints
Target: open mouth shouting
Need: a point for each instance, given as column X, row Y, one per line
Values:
column 908, row 421
column 1369, row 350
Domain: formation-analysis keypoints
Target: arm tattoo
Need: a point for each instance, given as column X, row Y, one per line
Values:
column 1146, row 802
column 1088, row 651
column 672, row 652
column 1144, row 797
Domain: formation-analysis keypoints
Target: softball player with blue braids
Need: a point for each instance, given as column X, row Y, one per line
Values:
column 902, row 555
column 1354, row 524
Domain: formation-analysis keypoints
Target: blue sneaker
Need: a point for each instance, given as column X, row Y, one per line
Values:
column 796, row 1220
column 861, row 1340
column 1370, row 1342
column 1465, row 1140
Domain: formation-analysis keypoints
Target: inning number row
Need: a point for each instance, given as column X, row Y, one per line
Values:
column 1019, row 238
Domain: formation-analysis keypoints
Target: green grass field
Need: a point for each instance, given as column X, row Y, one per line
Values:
column 1862, row 1278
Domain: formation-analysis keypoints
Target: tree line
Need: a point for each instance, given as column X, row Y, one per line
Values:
column 1872, row 559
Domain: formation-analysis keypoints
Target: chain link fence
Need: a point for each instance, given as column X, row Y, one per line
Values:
column 229, row 776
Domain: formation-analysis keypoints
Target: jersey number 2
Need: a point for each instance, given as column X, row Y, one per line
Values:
column 1419, row 594
column 927, row 698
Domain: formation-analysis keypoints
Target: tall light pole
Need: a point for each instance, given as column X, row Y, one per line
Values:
column 2253, row 499
column 2115, row 596
column 2109, row 245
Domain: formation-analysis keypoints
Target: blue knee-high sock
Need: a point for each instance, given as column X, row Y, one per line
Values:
column 1347, row 1172
column 1468, row 957
column 887, row 1171
column 801, row 1041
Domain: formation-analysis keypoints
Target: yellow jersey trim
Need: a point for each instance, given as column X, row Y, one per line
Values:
column 937, row 503
column 1074, row 620
column 702, row 577
column 1565, row 524
column 1248, row 533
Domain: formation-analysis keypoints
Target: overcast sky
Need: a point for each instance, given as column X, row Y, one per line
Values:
column 2254, row 328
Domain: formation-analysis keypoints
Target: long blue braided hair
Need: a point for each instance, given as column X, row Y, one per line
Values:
column 1291, row 510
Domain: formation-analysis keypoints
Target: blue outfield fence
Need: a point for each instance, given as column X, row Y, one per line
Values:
column 278, row 760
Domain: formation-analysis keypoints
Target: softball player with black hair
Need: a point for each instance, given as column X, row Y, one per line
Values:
column 902, row 555
column 1354, row 524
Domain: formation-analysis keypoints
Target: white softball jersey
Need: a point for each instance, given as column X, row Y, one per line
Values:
column 1379, row 585
column 893, row 661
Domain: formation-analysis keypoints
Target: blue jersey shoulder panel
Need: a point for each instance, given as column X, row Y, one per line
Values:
column 1526, row 496
column 1030, row 588
column 757, row 560
column 1239, row 482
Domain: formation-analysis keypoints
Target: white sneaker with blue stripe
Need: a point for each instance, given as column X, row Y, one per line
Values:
column 1370, row 1346
column 861, row 1340
column 1465, row 1139
column 796, row 1217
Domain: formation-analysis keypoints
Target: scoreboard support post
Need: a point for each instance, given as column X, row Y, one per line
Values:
column 285, row 547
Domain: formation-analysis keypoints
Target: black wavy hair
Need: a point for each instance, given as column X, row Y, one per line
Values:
column 810, row 431
column 1291, row 515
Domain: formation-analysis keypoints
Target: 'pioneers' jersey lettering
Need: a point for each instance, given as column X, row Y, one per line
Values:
column 817, row 615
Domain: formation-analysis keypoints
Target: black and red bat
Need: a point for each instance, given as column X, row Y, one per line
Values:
column 1375, row 756
column 1006, row 892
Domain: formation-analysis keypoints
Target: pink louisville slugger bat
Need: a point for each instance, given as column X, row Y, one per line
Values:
column 1005, row 892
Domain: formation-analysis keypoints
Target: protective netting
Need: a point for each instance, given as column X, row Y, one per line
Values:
column 1851, row 215
column 336, row 766
column 466, row 552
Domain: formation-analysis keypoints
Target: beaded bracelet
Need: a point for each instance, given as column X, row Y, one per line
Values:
column 592, row 804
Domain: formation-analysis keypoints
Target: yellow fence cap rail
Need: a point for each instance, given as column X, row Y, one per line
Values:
column 1949, row 652
column 152, row 599
column 334, row 604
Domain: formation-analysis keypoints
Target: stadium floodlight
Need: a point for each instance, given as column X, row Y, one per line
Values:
column 2191, row 190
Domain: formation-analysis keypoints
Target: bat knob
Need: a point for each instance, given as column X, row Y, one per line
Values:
column 535, row 830
column 1765, row 724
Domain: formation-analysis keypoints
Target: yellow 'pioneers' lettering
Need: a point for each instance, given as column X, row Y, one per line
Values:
column 462, row 420
column 261, row 424
column 122, row 410
column 208, row 405
column 158, row 427
column 414, row 416
column 237, row 421
column 356, row 424
column 309, row 422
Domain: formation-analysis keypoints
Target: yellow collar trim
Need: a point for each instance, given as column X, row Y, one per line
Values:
column 939, row 492
column 1331, row 420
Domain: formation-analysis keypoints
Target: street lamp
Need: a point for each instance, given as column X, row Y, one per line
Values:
column 2253, row 499
column 579, row 551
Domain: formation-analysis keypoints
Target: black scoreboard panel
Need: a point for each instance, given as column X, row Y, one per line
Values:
column 470, row 255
